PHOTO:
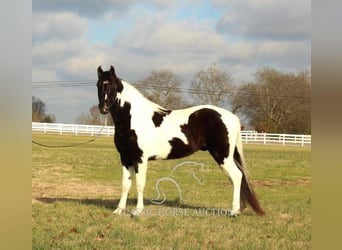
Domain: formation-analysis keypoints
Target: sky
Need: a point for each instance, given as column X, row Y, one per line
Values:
column 71, row 38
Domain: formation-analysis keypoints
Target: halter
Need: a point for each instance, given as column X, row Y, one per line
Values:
column 112, row 99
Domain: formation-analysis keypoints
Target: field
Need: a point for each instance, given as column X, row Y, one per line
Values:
column 75, row 190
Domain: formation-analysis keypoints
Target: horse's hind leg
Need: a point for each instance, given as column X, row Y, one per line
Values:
column 127, row 177
column 232, row 171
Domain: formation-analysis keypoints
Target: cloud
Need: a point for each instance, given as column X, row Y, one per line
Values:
column 41, row 75
column 97, row 9
column 82, row 66
column 289, row 55
column 57, row 25
column 159, row 41
column 55, row 51
column 283, row 19
column 175, row 37
column 88, row 8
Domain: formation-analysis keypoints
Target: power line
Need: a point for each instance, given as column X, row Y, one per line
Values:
column 63, row 84
column 92, row 83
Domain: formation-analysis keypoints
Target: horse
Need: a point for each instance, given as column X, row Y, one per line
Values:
column 146, row 131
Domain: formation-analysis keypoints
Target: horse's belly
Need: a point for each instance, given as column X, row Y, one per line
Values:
column 172, row 148
column 156, row 148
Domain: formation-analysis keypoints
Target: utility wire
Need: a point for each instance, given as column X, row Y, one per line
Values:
column 92, row 83
column 62, row 84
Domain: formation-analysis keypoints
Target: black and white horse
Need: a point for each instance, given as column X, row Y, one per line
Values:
column 146, row 131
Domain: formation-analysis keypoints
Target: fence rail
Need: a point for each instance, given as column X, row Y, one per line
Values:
column 76, row 129
column 282, row 139
column 248, row 137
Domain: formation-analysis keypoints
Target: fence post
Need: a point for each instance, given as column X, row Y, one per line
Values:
column 264, row 138
column 302, row 140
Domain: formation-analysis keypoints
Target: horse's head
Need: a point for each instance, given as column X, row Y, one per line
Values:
column 108, row 85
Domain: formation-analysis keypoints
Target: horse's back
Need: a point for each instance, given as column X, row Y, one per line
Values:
column 230, row 119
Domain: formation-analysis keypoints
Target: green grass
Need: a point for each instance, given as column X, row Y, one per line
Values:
column 75, row 190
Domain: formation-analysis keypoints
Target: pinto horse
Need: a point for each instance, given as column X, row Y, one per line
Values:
column 146, row 131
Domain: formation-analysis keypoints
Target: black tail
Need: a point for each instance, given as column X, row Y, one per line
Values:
column 247, row 193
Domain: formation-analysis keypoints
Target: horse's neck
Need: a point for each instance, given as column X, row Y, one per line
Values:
column 138, row 102
column 130, row 102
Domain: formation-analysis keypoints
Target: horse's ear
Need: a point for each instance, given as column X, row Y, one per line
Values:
column 99, row 71
column 112, row 70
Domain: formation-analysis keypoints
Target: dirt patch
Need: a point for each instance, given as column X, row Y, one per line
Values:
column 41, row 190
column 268, row 183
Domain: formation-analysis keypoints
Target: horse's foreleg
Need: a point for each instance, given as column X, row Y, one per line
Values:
column 140, row 182
column 127, row 177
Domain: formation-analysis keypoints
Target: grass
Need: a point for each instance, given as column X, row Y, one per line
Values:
column 75, row 190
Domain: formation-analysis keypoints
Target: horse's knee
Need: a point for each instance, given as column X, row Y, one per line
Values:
column 126, row 185
column 140, row 184
column 141, row 179
column 126, row 182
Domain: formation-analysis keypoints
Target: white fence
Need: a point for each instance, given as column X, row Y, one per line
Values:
column 251, row 137
column 283, row 139
column 76, row 129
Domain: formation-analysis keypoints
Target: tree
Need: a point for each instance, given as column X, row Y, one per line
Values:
column 94, row 117
column 160, row 87
column 212, row 86
column 39, row 110
column 278, row 102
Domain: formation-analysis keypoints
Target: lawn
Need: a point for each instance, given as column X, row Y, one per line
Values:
column 75, row 190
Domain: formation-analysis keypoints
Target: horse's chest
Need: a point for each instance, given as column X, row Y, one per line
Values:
column 126, row 142
column 125, row 138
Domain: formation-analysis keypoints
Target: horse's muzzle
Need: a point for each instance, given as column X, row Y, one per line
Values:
column 104, row 109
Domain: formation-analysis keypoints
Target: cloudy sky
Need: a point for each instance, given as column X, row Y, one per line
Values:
column 71, row 38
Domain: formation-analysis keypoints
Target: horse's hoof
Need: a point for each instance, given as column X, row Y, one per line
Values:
column 136, row 212
column 233, row 214
column 118, row 211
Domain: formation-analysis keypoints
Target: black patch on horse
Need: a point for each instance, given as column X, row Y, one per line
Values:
column 205, row 130
column 125, row 138
column 158, row 116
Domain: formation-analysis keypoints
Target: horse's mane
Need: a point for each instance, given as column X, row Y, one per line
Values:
column 136, row 98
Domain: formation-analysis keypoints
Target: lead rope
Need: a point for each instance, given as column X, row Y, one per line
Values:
column 77, row 144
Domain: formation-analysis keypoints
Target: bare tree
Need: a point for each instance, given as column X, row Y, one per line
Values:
column 162, row 87
column 94, row 117
column 39, row 111
column 278, row 102
column 212, row 86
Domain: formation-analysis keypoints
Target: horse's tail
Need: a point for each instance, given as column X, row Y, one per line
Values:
column 247, row 193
